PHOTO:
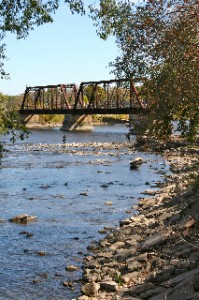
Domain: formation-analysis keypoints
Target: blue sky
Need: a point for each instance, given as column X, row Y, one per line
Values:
column 66, row 51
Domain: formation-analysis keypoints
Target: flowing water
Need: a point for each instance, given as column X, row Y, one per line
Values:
column 65, row 179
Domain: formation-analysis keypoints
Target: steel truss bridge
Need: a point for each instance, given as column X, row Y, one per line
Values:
column 93, row 97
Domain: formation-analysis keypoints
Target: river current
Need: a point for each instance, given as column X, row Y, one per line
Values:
column 66, row 180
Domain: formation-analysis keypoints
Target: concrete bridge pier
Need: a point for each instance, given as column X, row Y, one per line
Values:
column 30, row 119
column 77, row 123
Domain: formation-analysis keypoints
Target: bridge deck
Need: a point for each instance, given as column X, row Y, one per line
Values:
column 94, row 97
column 83, row 111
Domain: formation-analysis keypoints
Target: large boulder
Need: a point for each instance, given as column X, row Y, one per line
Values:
column 90, row 289
column 23, row 219
column 134, row 164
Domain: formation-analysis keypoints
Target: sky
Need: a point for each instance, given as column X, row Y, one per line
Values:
column 66, row 51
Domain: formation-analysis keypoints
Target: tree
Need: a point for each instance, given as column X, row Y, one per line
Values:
column 10, row 121
column 19, row 17
column 158, row 42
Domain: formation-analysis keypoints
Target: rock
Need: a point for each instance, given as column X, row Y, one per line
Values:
column 133, row 264
column 150, row 192
column 84, row 194
column 145, row 254
column 189, row 223
column 90, row 289
column 138, row 218
column 194, row 258
column 155, row 240
column 35, row 280
column 109, row 286
column 109, row 203
column 45, row 186
column 138, row 160
column 167, row 216
column 133, row 239
column 84, row 298
column 133, row 165
column 117, row 245
column 133, row 244
column 104, row 243
column 138, row 289
column 59, row 274
column 147, row 202
column 196, row 283
column 41, row 253
column 121, row 256
column 173, row 219
column 105, row 254
column 71, row 268
column 93, row 247
column 161, row 276
column 106, row 261
column 23, row 219
column 108, row 228
column 125, row 222
column 28, row 234
column 136, row 163
column 187, row 276
column 164, row 294
column 92, row 265
column 132, row 278
column 104, row 186
column 68, row 283
column 102, row 231
column 152, row 292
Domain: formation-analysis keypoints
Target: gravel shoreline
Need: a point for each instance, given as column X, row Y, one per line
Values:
column 155, row 253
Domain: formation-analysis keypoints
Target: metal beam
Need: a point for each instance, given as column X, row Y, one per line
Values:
column 116, row 96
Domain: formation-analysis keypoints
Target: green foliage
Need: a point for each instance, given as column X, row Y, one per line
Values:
column 118, row 279
column 21, row 16
column 96, row 118
column 52, row 119
column 158, row 42
column 14, row 101
column 114, row 118
column 10, row 122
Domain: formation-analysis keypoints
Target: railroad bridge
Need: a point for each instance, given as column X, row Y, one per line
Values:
column 93, row 97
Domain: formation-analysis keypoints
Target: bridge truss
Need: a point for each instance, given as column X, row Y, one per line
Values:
column 93, row 97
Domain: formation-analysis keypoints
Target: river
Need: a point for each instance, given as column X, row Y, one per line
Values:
column 66, row 182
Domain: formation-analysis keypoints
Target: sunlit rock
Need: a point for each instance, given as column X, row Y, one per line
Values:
column 23, row 218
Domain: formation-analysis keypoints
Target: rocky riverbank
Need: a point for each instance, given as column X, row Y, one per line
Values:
column 155, row 252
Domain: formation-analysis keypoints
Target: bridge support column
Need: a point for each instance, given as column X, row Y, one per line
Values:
column 30, row 120
column 77, row 123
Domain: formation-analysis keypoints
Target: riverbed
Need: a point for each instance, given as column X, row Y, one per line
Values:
column 75, row 184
